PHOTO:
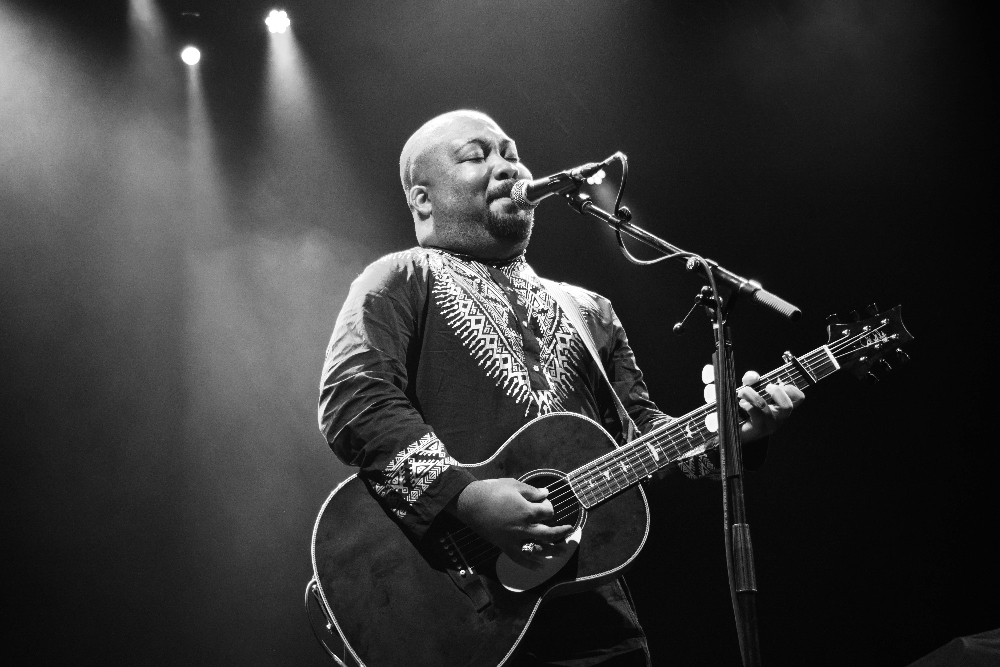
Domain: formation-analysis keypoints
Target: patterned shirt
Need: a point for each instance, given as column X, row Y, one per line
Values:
column 438, row 358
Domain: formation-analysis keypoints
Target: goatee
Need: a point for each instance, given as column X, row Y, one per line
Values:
column 510, row 227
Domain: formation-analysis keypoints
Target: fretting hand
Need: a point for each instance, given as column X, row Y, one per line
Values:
column 763, row 418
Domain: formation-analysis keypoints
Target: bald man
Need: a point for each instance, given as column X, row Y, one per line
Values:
column 443, row 351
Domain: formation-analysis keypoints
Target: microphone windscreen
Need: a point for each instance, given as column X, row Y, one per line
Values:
column 518, row 195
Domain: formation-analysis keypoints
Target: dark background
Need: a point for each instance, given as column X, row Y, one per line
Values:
column 176, row 248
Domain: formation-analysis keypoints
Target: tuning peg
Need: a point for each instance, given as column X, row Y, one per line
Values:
column 902, row 358
column 878, row 372
column 832, row 319
column 871, row 310
column 852, row 316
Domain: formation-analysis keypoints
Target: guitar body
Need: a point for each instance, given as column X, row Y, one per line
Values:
column 396, row 602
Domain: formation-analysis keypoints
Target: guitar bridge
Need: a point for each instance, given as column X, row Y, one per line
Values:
column 461, row 572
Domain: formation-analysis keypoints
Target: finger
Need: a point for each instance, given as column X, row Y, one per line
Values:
column 782, row 403
column 750, row 377
column 532, row 493
column 542, row 533
column 779, row 395
column 795, row 394
column 754, row 427
column 540, row 512
column 754, row 399
column 761, row 417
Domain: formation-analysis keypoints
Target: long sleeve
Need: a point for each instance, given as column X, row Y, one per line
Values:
column 619, row 364
column 367, row 408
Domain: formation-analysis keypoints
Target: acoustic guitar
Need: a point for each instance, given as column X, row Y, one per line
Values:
column 453, row 599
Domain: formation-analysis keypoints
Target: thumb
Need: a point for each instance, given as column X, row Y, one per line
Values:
column 532, row 493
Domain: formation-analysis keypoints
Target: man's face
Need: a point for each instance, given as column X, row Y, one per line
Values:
column 469, row 173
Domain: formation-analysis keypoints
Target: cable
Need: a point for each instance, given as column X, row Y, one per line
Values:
column 311, row 590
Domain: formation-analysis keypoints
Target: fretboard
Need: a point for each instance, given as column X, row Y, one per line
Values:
column 664, row 444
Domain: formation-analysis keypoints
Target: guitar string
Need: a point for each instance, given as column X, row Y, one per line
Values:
column 466, row 534
column 608, row 468
column 671, row 444
column 818, row 360
column 638, row 451
column 562, row 510
column 634, row 451
column 472, row 543
column 610, row 473
column 573, row 506
column 469, row 536
column 463, row 535
column 485, row 550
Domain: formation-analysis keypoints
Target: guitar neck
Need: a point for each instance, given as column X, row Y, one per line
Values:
column 692, row 433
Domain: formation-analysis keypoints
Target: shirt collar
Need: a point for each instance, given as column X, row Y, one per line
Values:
column 513, row 262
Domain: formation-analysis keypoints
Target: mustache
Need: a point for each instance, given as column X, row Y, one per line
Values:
column 502, row 189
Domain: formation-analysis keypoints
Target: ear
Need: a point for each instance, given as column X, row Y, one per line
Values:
column 420, row 201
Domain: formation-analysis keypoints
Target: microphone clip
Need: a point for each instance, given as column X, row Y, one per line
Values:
column 702, row 298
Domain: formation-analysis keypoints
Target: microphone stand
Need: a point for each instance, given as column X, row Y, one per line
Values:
column 739, row 552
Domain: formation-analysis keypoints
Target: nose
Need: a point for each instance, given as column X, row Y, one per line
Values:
column 503, row 169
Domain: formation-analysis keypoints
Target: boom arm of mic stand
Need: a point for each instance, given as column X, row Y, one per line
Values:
column 583, row 204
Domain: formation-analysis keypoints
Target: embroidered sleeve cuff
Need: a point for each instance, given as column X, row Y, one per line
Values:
column 698, row 466
column 419, row 481
column 708, row 464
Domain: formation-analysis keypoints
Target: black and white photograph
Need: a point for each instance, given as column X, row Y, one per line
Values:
column 481, row 333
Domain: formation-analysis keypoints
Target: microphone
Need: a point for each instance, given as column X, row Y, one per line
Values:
column 527, row 194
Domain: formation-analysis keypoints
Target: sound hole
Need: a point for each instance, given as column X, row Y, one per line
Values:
column 567, row 510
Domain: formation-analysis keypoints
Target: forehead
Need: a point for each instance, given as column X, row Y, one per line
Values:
column 439, row 139
column 462, row 130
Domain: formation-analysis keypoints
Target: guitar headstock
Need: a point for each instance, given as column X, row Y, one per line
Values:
column 868, row 347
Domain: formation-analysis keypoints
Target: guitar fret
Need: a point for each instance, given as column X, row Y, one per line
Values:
column 667, row 443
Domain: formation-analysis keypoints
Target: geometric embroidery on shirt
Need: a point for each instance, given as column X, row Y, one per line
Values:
column 412, row 470
column 482, row 322
column 696, row 464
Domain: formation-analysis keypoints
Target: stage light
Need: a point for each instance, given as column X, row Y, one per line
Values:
column 277, row 21
column 191, row 55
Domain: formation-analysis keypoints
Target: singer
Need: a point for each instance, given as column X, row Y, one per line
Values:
column 443, row 351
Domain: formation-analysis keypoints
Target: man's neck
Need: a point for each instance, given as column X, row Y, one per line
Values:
column 501, row 261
